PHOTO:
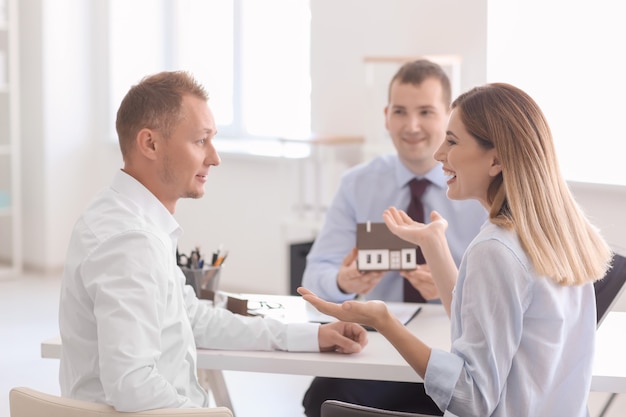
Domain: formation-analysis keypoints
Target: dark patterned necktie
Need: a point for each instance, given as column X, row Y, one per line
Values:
column 416, row 212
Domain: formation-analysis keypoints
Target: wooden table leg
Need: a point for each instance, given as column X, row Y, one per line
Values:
column 213, row 380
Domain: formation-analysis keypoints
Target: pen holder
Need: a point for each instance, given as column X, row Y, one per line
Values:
column 205, row 281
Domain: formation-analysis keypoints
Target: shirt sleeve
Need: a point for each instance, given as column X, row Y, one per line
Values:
column 469, row 379
column 218, row 328
column 123, row 278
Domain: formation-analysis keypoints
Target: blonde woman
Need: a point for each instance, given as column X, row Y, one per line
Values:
column 521, row 305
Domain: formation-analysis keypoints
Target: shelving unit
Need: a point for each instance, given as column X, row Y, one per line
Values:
column 10, row 184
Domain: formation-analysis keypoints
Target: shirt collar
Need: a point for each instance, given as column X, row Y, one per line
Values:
column 153, row 210
column 435, row 175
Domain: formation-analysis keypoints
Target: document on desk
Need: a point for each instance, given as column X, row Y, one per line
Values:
column 293, row 309
column 403, row 311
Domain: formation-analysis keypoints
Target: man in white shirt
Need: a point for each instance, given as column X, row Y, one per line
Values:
column 129, row 325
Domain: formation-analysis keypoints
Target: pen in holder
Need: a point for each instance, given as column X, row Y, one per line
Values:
column 205, row 281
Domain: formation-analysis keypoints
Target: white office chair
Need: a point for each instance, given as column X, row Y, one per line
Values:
column 609, row 288
column 334, row 408
column 27, row 402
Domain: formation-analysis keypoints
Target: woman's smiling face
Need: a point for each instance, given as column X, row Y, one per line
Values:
column 469, row 166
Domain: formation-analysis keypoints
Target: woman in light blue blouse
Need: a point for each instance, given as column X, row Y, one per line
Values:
column 521, row 304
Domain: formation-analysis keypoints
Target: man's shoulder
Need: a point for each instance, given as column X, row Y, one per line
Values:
column 382, row 164
column 108, row 214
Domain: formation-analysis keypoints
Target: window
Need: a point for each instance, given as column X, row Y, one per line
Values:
column 253, row 61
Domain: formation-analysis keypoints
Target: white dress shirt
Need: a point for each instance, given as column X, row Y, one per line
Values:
column 521, row 344
column 364, row 193
column 129, row 325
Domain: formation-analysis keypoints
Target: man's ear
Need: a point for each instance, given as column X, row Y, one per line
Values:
column 147, row 143
column 496, row 167
column 386, row 112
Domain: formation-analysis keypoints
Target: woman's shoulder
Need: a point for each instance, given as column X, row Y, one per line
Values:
column 497, row 243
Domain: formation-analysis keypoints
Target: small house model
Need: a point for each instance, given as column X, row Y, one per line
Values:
column 380, row 250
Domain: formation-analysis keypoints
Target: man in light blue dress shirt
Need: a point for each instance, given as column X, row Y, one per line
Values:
column 415, row 117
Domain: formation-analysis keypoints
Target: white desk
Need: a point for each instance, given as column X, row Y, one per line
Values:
column 379, row 360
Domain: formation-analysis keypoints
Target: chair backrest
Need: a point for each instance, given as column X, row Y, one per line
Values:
column 609, row 288
column 334, row 408
column 27, row 402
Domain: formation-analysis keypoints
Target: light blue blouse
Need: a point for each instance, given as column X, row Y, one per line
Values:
column 364, row 193
column 521, row 344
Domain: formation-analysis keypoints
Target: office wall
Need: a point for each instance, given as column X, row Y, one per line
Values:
column 67, row 158
column 605, row 205
column 565, row 54
column 62, row 150
column 51, row 126
column 250, row 200
column 343, row 32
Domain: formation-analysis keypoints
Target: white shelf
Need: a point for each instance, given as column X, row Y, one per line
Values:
column 10, row 208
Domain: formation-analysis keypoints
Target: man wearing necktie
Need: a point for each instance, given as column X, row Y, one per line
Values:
column 416, row 117
column 416, row 212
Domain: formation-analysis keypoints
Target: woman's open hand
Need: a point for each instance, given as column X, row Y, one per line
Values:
column 408, row 229
column 370, row 313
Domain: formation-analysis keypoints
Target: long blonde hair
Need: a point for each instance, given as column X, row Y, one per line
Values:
column 530, row 194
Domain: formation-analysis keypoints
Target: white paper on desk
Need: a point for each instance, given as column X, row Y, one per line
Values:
column 403, row 311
